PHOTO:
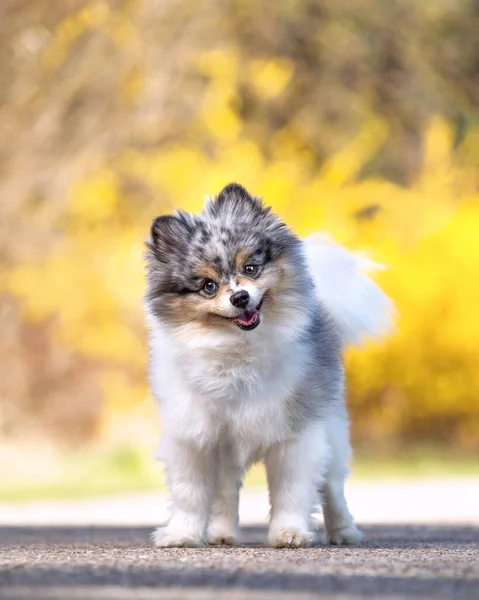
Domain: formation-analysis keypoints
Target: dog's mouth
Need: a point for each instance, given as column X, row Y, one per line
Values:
column 250, row 318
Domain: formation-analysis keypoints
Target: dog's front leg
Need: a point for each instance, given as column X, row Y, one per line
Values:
column 295, row 469
column 224, row 527
column 191, row 474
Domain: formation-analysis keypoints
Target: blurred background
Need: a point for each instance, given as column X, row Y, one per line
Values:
column 359, row 117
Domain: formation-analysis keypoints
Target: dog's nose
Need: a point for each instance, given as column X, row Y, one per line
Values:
column 240, row 299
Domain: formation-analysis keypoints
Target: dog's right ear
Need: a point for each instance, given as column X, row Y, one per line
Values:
column 234, row 198
column 168, row 233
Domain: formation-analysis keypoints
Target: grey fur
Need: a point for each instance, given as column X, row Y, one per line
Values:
column 233, row 221
column 181, row 243
column 240, row 384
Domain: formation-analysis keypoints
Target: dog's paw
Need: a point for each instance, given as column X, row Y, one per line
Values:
column 163, row 537
column 221, row 533
column 222, row 539
column 290, row 537
column 348, row 535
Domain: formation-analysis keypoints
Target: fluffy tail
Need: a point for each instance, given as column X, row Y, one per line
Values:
column 360, row 308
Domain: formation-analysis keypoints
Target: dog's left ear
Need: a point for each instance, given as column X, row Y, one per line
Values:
column 236, row 199
column 169, row 234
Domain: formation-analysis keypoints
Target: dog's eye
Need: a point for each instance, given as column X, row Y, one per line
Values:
column 250, row 269
column 210, row 287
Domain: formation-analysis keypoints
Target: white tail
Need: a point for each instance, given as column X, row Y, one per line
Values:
column 361, row 309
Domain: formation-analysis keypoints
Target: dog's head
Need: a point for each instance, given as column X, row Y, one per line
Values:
column 228, row 267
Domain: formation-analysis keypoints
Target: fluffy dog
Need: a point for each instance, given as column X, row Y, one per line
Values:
column 247, row 327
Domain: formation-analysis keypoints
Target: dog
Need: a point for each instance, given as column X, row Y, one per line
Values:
column 247, row 328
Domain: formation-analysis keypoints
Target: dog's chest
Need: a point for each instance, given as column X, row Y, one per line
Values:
column 243, row 390
column 243, row 372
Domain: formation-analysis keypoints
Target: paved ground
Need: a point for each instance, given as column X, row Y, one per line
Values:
column 395, row 562
column 99, row 549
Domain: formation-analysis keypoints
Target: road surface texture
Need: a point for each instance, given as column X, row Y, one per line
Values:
column 421, row 541
column 98, row 563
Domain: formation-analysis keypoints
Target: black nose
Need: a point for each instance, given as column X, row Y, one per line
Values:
column 240, row 299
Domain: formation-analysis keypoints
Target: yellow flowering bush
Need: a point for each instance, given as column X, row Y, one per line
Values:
column 419, row 385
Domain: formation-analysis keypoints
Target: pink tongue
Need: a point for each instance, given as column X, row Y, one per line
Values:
column 246, row 318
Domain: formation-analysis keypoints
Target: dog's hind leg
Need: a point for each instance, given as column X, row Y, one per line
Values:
column 339, row 524
column 223, row 528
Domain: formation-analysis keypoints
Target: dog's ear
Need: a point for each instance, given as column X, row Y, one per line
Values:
column 169, row 234
column 234, row 198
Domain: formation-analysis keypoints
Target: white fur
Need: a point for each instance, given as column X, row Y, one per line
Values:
column 223, row 398
column 358, row 305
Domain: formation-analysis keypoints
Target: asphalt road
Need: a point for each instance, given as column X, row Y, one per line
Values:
column 112, row 562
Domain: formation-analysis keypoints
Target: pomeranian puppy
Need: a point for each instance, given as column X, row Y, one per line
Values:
column 247, row 327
